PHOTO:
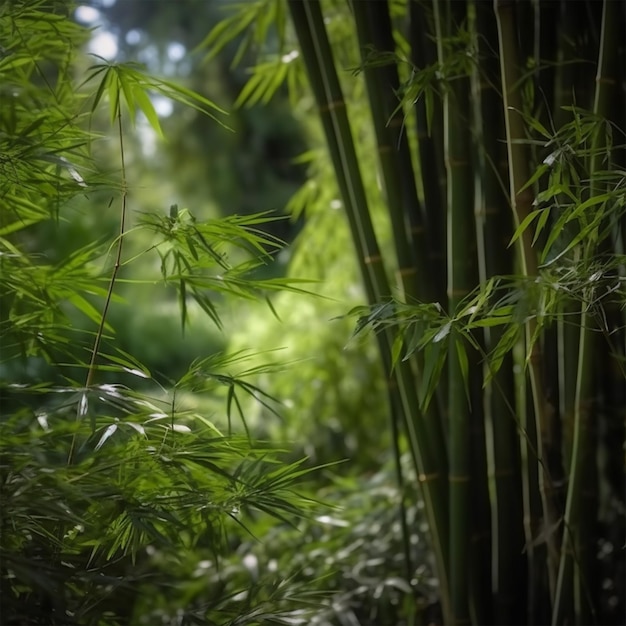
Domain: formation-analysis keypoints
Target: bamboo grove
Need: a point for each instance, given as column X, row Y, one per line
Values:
column 499, row 138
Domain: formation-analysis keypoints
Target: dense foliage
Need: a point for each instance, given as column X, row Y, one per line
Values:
column 110, row 481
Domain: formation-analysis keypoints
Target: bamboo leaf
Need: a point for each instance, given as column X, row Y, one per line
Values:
column 127, row 90
column 88, row 309
column 228, row 29
column 463, row 364
column 539, row 172
column 147, row 108
column 519, row 231
column 113, row 93
column 593, row 201
column 182, row 300
column 110, row 430
column 434, row 361
column 102, row 85
column 396, row 348
column 83, row 405
column 443, row 332
column 510, row 337
column 541, row 222
column 128, row 363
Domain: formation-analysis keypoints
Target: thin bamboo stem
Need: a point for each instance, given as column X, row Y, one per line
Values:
column 521, row 203
column 116, row 266
column 567, row 332
column 462, row 277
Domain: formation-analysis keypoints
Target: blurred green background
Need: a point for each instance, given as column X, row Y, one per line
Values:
column 329, row 388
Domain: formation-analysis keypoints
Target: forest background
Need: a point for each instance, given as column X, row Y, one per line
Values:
column 236, row 441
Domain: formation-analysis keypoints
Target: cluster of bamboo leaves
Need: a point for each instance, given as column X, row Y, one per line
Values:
column 106, row 479
column 496, row 134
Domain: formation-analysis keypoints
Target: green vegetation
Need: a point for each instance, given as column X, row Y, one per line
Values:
column 109, row 479
column 411, row 411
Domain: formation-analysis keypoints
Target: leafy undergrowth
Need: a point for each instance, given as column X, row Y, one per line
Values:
column 344, row 565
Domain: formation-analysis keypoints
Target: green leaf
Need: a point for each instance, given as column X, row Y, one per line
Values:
column 127, row 362
column 88, row 309
column 519, row 231
column 113, row 93
column 145, row 105
column 182, row 300
column 463, row 364
column 396, row 349
column 509, row 339
column 128, row 91
column 539, row 172
column 434, row 361
column 443, row 332
column 95, row 71
column 541, row 222
column 593, row 201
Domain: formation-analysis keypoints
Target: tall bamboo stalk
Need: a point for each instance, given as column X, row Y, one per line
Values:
column 429, row 125
column 374, row 29
column 521, row 202
column 571, row 602
column 566, row 90
column 462, row 277
column 493, row 222
column 545, row 51
column 430, row 145
column 317, row 55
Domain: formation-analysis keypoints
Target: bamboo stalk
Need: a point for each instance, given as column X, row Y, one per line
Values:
column 566, row 91
column 565, row 78
column 416, row 275
column 430, row 144
column 493, row 224
column 373, row 27
column 544, row 56
column 571, row 601
column 537, row 610
column 309, row 25
column 521, row 203
column 462, row 277
column 429, row 124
